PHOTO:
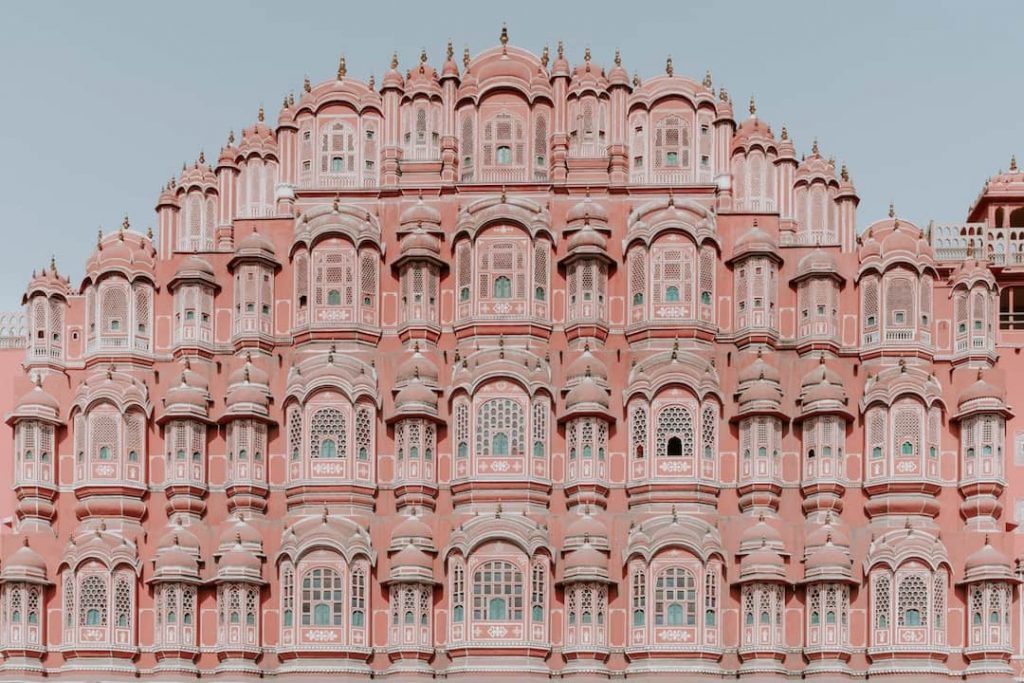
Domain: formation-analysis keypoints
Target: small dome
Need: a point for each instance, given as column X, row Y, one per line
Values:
column 124, row 251
column 412, row 528
column 827, row 557
column 587, row 239
column 585, row 393
column 586, row 527
column 240, row 560
column 412, row 557
column 899, row 239
column 760, row 534
column 414, row 394
column 176, row 561
column 586, row 211
column 194, row 264
column 255, row 242
column 25, row 561
column 247, row 394
column 827, row 532
column 981, row 389
column 239, row 531
column 37, row 397
column 420, row 213
column 586, row 364
column 986, row 557
column 249, row 372
column 420, row 242
column 754, row 240
column 417, row 365
column 758, row 370
column 178, row 536
column 587, row 557
column 817, row 261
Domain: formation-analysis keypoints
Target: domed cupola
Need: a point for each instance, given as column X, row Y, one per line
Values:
column 988, row 564
column 236, row 563
column 586, row 529
column 761, row 534
column 758, row 370
column 194, row 269
column 422, row 79
column 586, row 398
column 830, row 561
column 449, row 69
column 412, row 551
column 818, row 263
column 36, row 404
column 237, row 532
column 175, row 563
column 618, row 76
column 125, row 252
column 822, row 391
column 761, row 397
column 585, row 563
column 982, row 396
column 588, row 76
column 258, row 140
column 248, row 392
column 415, row 399
column 25, row 565
column 228, row 153
column 763, row 565
column 586, row 365
column 752, row 132
column 47, row 282
column 416, row 367
column 198, row 176
column 755, row 241
column 393, row 77
column 188, row 398
column 254, row 247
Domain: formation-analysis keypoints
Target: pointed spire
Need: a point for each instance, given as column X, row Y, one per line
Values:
column 342, row 68
column 668, row 66
column 753, row 106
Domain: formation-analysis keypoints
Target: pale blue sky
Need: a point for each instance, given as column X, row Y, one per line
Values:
column 103, row 101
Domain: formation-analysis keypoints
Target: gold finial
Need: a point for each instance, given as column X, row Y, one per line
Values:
column 892, row 210
column 342, row 67
column 449, row 51
column 284, row 102
column 423, row 55
column 844, row 174
column 53, row 263
column 99, row 236
column 202, row 157
column 149, row 232
column 1013, row 163
column 561, row 49
column 814, row 147
column 618, row 57
column 465, row 57
column 586, row 54
column 260, row 115
column 231, row 137
column 373, row 83
column 723, row 95
column 504, row 35
column 707, row 79
column 668, row 66
column 394, row 60
column 291, row 98
column 753, row 106
column 125, row 224
column 785, row 133
column 636, row 79
column 545, row 56
column 306, row 86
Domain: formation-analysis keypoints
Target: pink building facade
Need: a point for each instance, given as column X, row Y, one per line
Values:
column 520, row 370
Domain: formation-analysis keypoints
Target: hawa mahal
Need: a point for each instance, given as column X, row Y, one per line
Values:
column 515, row 369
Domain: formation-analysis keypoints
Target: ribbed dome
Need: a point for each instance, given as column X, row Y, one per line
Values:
column 986, row 557
column 25, row 560
column 586, row 392
column 981, row 389
column 587, row 239
column 587, row 210
column 420, row 242
column 758, row 370
column 255, row 242
column 249, row 372
column 586, row 557
column 420, row 213
column 194, row 265
column 176, row 561
column 37, row 397
column 416, row 393
column 586, row 364
column 817, row 261
column 412, row 557
column 239, row 560
column 417, row 365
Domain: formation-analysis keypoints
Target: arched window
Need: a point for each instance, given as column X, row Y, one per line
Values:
column 502, row 288
column 333, row 297
column 497, row 592
column 675, row 598
column 322, row 603
column 500, row 444
column 672, row 293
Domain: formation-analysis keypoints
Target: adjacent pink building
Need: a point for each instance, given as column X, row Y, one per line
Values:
column 514, row 370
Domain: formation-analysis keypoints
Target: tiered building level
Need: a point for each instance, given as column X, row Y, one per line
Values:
column 517, row 370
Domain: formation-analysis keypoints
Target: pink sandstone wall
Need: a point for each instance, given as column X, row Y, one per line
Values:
column 516, row 369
